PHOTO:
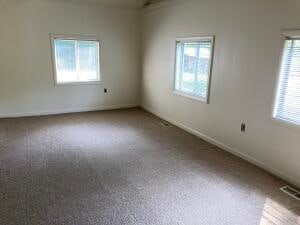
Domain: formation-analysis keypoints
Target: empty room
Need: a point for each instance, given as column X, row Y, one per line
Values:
column 149, row 112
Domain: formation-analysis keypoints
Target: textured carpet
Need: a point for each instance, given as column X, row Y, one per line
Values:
column 121, row 167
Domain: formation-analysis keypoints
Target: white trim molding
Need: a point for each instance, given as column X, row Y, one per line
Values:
column 286, row 34
column 229, row 149
column 75, row 38
column 291, row 33
column 64, row 111
column 182, row 41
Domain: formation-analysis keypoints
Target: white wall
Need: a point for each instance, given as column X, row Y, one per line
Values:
column 26, row 73
column 248, row 42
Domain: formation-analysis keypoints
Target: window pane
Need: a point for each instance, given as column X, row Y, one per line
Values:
column 288, row 99
column 193, row 60
column 76, row 60
column 65, row 60
column 88, row 60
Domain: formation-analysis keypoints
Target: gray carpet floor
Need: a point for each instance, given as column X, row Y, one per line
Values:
column 121, row 167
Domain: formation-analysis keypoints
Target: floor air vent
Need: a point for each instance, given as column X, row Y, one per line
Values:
column 165, row 124
column 291, row 192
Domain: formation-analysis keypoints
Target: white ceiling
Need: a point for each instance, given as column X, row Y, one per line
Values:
column 115, row 3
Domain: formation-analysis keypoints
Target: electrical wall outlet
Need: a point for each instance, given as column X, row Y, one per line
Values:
column 243, row 127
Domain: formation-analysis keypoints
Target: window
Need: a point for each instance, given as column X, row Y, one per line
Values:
column 287, row 105
column 193, row 67
column 76, row 59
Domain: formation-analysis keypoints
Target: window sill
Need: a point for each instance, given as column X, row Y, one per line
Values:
column 199, row 99
column 78, row 83
column 285, row 123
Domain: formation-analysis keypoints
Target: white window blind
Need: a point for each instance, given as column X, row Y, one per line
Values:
column 193, row 67
column 76, row 60
column 287, row 105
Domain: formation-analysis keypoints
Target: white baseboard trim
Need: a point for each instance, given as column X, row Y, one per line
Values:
column 63, row 111
column 227, row 148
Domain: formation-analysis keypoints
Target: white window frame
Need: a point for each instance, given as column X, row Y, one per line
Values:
column 193, row 39
column 79, row 38
column 288, row 124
